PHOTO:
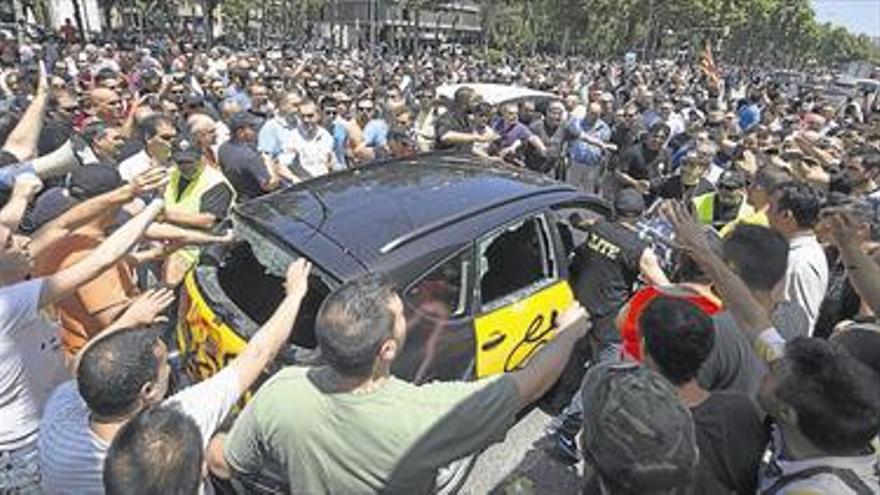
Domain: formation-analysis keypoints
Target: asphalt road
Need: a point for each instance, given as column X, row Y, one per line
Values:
column 522, row 464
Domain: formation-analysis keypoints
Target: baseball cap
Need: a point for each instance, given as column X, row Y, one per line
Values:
column 732, row 179
column 637, row 434
column 93, row 180
column 629, row 202
column 184, row 150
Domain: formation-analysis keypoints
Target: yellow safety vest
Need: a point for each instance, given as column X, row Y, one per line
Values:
column 191, row 198
column 704, row 205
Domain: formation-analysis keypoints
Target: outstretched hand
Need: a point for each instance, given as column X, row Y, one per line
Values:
column 297, row 281
column 147, row 308
column 688, row 232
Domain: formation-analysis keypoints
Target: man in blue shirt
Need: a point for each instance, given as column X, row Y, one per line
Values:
column 588, row 141
column 275, row 134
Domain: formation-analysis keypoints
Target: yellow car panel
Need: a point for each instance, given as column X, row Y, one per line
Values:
column 206, row 342
column 507, row 336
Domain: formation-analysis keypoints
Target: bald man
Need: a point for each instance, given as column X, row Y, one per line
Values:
column 106, row 105
column 204, row 130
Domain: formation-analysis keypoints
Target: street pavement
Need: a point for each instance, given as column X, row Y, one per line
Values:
column 523, row 464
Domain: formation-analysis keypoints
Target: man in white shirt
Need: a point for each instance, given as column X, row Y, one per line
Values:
column 794, row 211
column 312, row 144
column 29, row 363
column 120, row 373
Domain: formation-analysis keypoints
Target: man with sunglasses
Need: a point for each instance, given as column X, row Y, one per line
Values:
column 727, row 204
column 312, row 144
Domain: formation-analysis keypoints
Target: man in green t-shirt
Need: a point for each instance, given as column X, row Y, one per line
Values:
column 351, row 427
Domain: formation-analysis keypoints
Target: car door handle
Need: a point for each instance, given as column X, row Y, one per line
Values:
column 493, row 342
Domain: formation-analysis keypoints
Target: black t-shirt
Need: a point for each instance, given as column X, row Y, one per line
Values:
column 841, row 302
column 552, row 139
column 54, row 134
column 605, row 267
column 640, row 162
column 244, row 168
column 732, row 438
column 450, row 121
column 215, row 201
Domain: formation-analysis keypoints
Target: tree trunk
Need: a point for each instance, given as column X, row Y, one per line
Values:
column 208, row 9
column 77, row 17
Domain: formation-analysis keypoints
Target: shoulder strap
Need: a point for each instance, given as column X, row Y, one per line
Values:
column 847, row 476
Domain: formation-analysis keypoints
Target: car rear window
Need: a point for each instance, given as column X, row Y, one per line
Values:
column 256, row 290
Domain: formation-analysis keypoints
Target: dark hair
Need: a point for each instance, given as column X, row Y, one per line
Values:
column 463, row 95
column 863, row 343
column 759, row 255
column 159, row 451
column 801, row 200
column 354, row 321
column 769, row 177
column 678, row 336
column 113, row 370
column 689, row 270
column 149, row 127
column 836, row 397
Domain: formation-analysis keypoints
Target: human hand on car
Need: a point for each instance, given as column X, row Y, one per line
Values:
column 575, row 316
column 297, row 281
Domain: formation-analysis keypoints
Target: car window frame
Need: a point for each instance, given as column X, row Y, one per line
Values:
column 468, row 279
column 550, row 249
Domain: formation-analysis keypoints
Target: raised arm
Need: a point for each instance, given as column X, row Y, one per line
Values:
column 23, row 192
column 862, row 271
column 265, row 344
column 22, row 141
column 106, row 255
column 83, row 213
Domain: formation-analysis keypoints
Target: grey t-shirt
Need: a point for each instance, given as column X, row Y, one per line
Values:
column 733, row 364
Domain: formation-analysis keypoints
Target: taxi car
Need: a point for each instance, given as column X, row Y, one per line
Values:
column 479, row 252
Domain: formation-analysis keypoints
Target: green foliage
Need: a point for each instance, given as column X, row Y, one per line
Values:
column 750, row 32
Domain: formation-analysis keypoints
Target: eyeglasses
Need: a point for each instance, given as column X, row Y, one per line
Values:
column 308, row 115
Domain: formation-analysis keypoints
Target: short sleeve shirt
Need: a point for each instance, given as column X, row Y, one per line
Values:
column 393, row 439
column 30, row 363
column 72, row 455
column 244, row 168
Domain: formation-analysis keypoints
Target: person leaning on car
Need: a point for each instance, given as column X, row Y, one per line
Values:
column 351, row 427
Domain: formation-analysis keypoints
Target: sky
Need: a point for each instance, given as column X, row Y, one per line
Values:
column 859, row 16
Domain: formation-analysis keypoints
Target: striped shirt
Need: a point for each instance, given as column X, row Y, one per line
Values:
column 72, row 455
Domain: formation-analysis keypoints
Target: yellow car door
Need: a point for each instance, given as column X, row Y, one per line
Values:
column 520, row 294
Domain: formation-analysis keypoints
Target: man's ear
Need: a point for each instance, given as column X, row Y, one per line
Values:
column 150, row 393
column 388, row 350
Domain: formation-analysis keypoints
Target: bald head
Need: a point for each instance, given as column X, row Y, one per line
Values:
column 106, row 105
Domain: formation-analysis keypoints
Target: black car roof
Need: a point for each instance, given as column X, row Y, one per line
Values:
column 379, row 208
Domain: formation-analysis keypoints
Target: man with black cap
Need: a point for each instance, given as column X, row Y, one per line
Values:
column 240, row 161
column 196, row 196
column 726, row 204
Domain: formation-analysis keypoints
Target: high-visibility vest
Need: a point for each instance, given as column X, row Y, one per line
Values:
column 191, row 198
column 704, row 205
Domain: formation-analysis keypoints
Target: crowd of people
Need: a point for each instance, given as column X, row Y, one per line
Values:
column 724, row 338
